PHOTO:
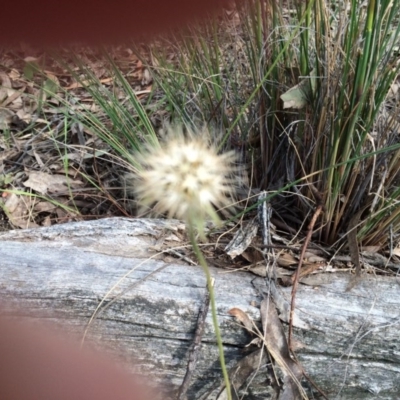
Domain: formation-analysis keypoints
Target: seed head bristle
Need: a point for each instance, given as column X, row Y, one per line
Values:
column 186, row 178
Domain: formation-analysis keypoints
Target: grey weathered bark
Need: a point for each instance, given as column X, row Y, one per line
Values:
column 348, row 341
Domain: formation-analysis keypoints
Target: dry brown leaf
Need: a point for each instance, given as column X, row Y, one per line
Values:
column 5, row 118
column 8, row 154
column 44, row 206
column 14, row 74
column 4, row 86
column 315, row 259
column 43, row 183
column 18, row 209
column 13, row 100
column 287, row 260
column 276, row 343
column 24, row 116
column 5, row 80
column 259, row 269
column 8, row 94
column 242, row 317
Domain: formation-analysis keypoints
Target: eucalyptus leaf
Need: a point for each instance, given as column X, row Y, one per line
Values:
column 298, row 96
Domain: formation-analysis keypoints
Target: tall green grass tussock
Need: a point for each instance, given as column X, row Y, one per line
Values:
column 336, row 62
column 304, row 92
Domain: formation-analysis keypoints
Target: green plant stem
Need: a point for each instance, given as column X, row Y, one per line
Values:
column 203, row 263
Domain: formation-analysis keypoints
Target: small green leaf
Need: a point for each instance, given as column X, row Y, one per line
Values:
column 50, row 87
column 30, row 69
column 5, row 180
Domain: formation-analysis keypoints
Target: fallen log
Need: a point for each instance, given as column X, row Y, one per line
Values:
column 346, row 341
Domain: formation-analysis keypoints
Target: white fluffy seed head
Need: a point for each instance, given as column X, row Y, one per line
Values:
column 186, row 178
